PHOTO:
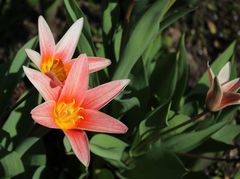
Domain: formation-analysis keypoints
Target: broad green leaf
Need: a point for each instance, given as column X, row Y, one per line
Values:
column 110, row 21
column 15, row 73
column 11, row 165
column 20, row 118
column 175, row 120
column 188, row 141
column 150, row 54
column 227, row 134
column 140, row 37
column 189, row 108
column 164, row 77
column 29, row 141
column 5, row 140
column 121, row 106
column 154, row 121
column 157, row 163
column 182, row 77
column 107, row 146
column 175, row 16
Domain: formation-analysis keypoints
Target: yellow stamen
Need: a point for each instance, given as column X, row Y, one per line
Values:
column 67, row 114
column 56, row 67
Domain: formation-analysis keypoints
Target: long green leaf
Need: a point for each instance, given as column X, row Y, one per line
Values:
column 140, row 37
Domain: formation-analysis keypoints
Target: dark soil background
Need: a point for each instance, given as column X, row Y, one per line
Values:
column 209, row 30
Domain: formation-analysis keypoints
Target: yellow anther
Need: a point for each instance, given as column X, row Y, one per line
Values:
column 67, row 114
column 56, row 67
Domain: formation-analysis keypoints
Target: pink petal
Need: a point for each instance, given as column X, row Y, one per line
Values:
column 100, row 122
column 67, row 45
column 80, row 145
column 211, row 75
column 46, row 40
column 231, row 86
column 229, row 99
column 99, row 96
column 76, row 83
column 224, row 74
column 34, row 56
column 43, row 84
column 97, row 63
column 214, row 95
column 43, row 114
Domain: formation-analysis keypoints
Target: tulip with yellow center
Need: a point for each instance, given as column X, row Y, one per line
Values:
column 55, row 60
column 222, row 92
column 74, row 108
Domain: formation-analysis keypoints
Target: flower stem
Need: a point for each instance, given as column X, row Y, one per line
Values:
column 156, row 135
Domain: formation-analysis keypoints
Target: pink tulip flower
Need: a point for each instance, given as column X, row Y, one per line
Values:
column 222, row 92
column 55, row 60
column 74, row 108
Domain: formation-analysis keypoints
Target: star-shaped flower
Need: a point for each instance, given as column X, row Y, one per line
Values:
column 73, row 108
column 55, row 60
column 222, row 92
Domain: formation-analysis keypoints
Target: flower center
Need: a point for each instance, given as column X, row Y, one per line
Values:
column 67, row 114
column 56, row 67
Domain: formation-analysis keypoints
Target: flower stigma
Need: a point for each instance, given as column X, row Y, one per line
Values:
column 67, row 115
column 56, row 67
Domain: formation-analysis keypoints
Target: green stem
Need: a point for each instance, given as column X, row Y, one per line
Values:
column 156, row 135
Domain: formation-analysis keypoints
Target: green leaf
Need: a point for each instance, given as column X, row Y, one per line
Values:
column 164, row 77
column 110, row 21
column 156, row 119
column 107, row 146
column 174, row 17
column 157, row 163
column 121, row 106
column 188, row 141
column 15, row 73
column 20, row 118
column 175, row 120
column 150, row 54
column 227, row 134
column 140, row 37
column 182, row 77
column 11, row 165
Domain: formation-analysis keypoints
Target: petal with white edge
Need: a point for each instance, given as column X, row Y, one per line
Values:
column 76, row 83
column 229, row 99
column 100, row 122
column 214, row 95
column 66, row 46
column 43, row 114
column 101, row 95
column 34, row 56
column 224, row 74
column 231, row 86
column 46, row 40
column 80, row 145
column 44, row 85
